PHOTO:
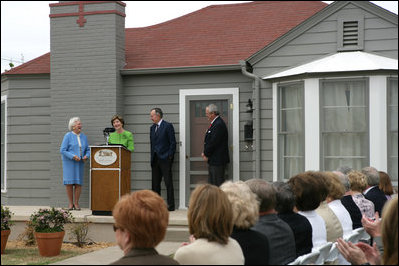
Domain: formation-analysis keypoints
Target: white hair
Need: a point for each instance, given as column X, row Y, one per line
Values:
column 72, row 122
column 212, row 108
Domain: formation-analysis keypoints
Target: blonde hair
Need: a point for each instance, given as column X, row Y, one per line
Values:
column 144, row 215
column 389, row 232
column 210, row 215
column 72, row 122
column 243, row 202
column 357, row 181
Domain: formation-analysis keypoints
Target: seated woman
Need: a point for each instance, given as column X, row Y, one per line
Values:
column 333, row 225
column 300, row 226
column 358, row 183
column 210, row 222
column 141, row 219
column 336, row 191
column 254, row 245
column 306, row 189
column 121, row 136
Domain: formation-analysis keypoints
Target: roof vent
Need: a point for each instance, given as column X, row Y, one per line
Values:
column 350, row 33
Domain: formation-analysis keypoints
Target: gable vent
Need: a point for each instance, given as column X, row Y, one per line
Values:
column 350, row 33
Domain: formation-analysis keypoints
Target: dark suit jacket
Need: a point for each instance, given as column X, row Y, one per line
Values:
column 144, row 256
column 254, row 245
column 354, row 211
column 282, row 248
column 163, row 142
column 216, row 143
column 302, row 230
column 377, row 197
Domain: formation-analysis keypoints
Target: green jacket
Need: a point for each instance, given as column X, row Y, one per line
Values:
column 126, row 139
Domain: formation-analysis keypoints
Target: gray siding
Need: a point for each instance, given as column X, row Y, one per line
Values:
column 28, row 145
column 380, row 37
column 143, row 92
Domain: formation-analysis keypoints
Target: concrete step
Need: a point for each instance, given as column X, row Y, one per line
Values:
column 100, row 227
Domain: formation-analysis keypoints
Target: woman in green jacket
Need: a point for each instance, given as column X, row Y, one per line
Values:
column 121, row 136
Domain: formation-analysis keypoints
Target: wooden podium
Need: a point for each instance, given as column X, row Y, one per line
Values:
column 109, row 177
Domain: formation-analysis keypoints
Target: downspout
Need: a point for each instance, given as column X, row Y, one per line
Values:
column 257, row 81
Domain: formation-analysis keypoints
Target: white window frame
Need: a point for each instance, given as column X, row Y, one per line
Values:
column 282, row 84
column 4, row 100
column 377, row 104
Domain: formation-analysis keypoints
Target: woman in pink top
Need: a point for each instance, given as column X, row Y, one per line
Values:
column 358, row 183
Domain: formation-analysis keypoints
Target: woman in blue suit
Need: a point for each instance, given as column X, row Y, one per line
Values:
column 74, row 152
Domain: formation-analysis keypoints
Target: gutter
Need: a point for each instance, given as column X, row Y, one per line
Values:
column 171, row 70
column 257, row 81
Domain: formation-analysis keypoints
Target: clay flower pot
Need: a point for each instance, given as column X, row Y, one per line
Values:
column 49, row 244
column 4, row 238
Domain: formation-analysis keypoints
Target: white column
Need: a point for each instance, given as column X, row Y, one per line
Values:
column 378, row 123
column 312, row 125
column 275, row 133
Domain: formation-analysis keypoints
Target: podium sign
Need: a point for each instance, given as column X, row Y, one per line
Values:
column 109, row 177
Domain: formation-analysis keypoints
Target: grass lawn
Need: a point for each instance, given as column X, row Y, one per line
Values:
column 18, row 254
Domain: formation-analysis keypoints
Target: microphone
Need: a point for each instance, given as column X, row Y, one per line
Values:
column 108, row 130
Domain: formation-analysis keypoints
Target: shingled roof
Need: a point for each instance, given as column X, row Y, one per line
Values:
column 215, row 35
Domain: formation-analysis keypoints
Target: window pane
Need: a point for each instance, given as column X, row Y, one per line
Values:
column 345, row 119
column 291, row 121
column 393, row 129
column 344, row 124
column 291, row 137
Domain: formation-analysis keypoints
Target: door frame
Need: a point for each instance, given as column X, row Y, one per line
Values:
column 183, row 98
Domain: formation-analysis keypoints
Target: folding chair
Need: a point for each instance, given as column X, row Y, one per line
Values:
column 306, row 259
column 324, row 251
column 333, row 254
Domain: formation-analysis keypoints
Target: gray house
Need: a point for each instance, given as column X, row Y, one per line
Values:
column 301, row 85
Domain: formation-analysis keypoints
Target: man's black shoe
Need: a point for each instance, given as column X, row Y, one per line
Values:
column 171, row 209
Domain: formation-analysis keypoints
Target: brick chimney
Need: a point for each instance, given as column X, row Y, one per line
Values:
column 87, row 53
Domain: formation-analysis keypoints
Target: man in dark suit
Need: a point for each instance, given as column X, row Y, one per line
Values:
column 163, row 147
column 373, row 192
column 216, row 150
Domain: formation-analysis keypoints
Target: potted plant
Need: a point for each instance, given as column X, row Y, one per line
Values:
column 48, row 225
column 5, row 226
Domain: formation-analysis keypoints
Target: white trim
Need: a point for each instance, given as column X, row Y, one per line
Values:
column 378, row 122
column 312, row 124
column 4, row 99
column 275, row 132
column 182, row 127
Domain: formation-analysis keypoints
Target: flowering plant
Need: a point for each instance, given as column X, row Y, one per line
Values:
column 50, row 220
column 6, row 218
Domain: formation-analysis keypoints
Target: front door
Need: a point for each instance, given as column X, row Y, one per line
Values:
column 198, row 168
column 193, row 125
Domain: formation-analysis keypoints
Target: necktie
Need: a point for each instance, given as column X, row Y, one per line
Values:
column 156, row 128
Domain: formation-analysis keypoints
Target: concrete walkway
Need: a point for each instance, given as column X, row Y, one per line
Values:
column 111, row 254
column 101, row 230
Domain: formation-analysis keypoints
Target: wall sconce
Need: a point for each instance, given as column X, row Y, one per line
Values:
column 249, row 106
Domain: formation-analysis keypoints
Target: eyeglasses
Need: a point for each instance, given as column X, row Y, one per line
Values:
column 115, row 227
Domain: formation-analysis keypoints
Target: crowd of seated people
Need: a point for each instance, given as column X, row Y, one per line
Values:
column 257, row 222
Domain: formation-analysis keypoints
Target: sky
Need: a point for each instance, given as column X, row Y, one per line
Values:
column 25, row 25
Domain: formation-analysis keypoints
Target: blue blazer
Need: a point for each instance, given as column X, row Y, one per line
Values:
column 70, row 146
column 163, row 142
